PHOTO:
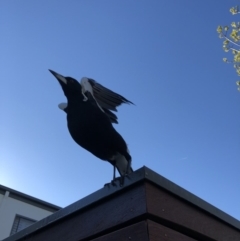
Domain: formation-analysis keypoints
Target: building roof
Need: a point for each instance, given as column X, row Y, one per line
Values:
column 29, row 199
column 141, row 175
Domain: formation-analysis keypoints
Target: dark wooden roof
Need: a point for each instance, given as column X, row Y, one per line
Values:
column 147, row 207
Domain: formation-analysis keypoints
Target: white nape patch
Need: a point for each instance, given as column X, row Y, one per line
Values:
column 60, row 77
column 62, row 106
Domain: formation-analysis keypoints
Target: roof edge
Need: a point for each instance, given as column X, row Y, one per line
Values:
column 29, row 199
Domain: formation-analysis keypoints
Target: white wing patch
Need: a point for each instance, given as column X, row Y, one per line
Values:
column 86, row 86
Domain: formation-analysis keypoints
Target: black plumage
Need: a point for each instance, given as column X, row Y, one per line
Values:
column 90, row 124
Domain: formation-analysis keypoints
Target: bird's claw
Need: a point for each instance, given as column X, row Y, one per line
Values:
column 117, row 180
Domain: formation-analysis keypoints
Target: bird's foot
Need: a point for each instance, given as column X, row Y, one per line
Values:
column 117, row 181
column 121, row 179
column 113, row 183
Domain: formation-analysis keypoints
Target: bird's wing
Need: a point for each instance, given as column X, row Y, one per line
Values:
column 106, row 98
column 113, row 118
column 110, row 115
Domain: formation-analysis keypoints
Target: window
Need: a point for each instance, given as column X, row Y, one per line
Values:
column 20, row 223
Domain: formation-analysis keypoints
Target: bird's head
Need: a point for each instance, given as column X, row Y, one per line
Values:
column 71, row 87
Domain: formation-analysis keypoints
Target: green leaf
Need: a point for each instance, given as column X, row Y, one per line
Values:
column 225, row 49
column 219, row 29
column 233, row 24
column 234, row 10
column 226, row 28
column 238, row 83
column 237, row 57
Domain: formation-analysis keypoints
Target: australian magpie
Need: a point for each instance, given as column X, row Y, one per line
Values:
column 90, row 119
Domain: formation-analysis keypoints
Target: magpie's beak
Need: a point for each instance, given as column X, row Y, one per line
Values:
column 59, row 77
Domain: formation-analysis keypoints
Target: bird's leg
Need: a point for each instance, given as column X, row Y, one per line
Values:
column 114, row 176
column 126, row 174
column 114, row 172
column 122, row 180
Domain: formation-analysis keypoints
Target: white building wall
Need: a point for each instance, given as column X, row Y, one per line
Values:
column 1, row 196
column 9, row 207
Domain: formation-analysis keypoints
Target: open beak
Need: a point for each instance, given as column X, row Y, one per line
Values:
column 59, row 77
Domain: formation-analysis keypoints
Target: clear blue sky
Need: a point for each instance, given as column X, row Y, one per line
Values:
column 165, row 56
